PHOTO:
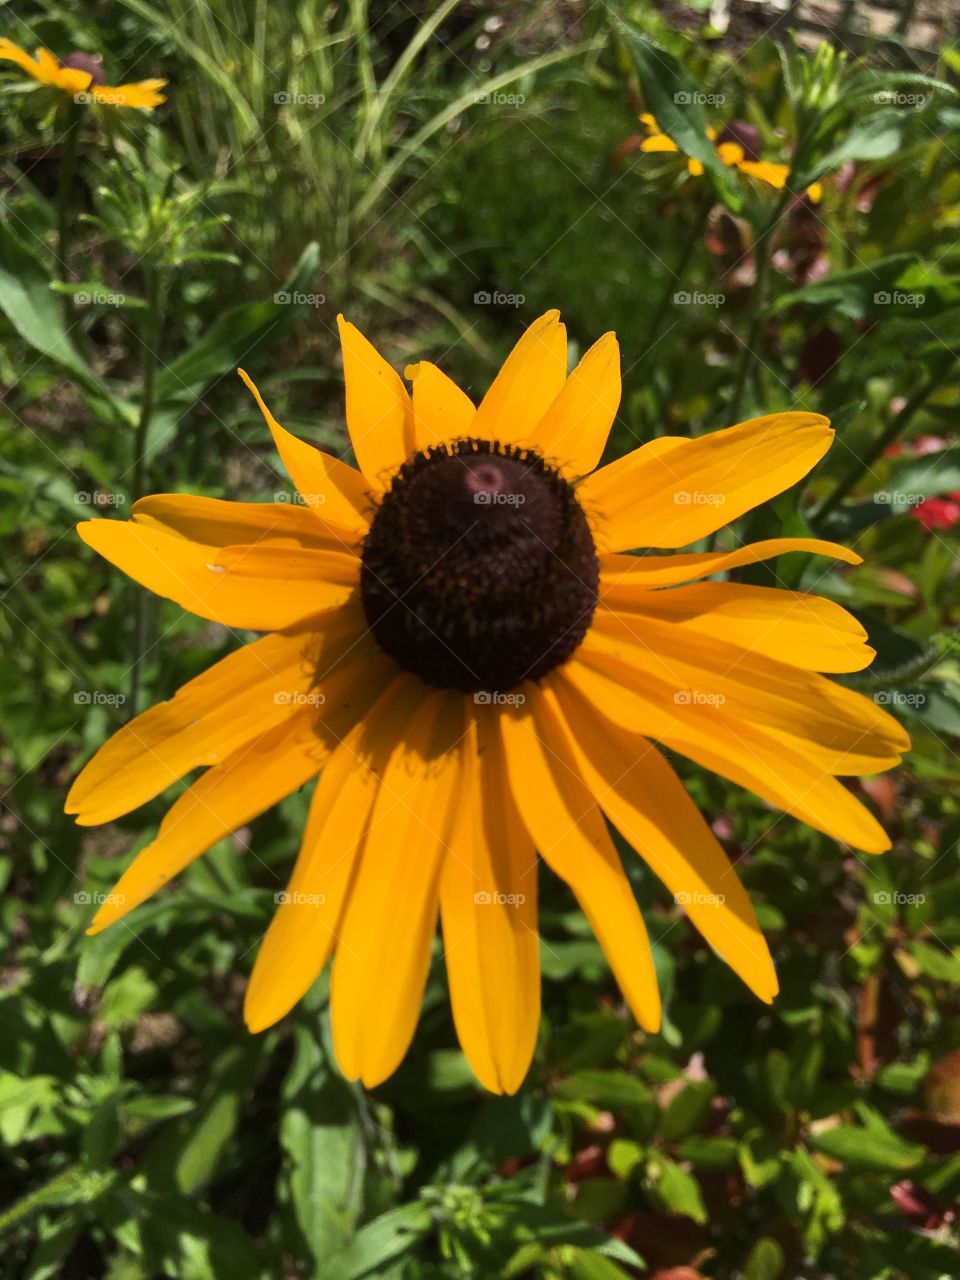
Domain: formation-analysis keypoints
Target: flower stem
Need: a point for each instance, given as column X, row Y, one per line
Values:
column 894, row 429
column 68, row 168
column 150, row 343
column 758, row 303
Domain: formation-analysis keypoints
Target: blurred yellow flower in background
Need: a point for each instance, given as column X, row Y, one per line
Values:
column 82, row 76
column 737, row 145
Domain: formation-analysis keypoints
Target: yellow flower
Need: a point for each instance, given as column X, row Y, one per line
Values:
column 737, row 146
column 81, row 75
column 462, row 651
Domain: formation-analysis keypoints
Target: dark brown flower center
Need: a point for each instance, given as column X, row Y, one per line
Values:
column 479, row 570
column 79, row 61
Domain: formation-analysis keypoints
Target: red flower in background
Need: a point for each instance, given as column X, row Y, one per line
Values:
column 933, row 513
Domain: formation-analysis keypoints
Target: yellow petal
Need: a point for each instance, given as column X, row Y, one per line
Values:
column 189, row 573
column 791, row 626
column 815, row 192
column 304, row 928
column 750, row 686
column 213, row 715
column 629, row 572
column 694, row 168
column 222, row 524
column 562, row 818
column 658, row 142
column 327, row 486
column 792, row 779
column 527, row 384
column 731, row 153
column 488, row 905
column 10, row 52
column 442, row 413
column 390, row 922
column 142, row 94
column 574, row 430
column 774, row 175
column 646, row 801
column 674, row 491
column 251, row 780
column 379, row 411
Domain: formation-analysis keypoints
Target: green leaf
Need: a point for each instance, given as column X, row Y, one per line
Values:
column 766, row 1261
column 321, row 1136
column 688, row 1110
column 32, row 308
column 381, row 1241
column 861, row 1148
column 876, row 137
column 942, row 966
column 676, row 103
column 854, row 293
column 238, row 334
column 679, row 1191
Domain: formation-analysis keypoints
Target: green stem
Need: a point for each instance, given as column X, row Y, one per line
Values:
column 151, row 340
column 68, row 168
column 674, row 276
column 35, row 1200
column 758, row 304
column 894, row 429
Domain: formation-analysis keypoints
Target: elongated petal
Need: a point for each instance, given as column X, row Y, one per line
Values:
column 675, row 491
column 223, row 524
column 304, row 928
column 527, row 384
column 618, row 571
column 391, row 917
column 213, row 715
column 442, row 412
column 190, row 574
column 565, row 823
column 335, row 491
column 253, row 779
column 793, row 627
column 647, row 802
column 797, row 781
column 488, row 905
column 574, row 430
column 750, row 686
column 141, row 93
column 379, row 410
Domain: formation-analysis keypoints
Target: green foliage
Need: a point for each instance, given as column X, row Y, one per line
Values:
column 404, row 163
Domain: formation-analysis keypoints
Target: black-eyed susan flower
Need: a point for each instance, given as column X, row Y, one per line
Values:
column 737, row 145
column 81, row 75
column 461, row 647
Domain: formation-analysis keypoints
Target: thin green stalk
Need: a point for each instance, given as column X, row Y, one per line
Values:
column 758, row 304
column 674, row 276
column 151, row 341
column 68, row 168
column 894, row 429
